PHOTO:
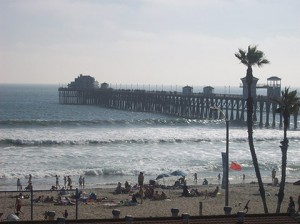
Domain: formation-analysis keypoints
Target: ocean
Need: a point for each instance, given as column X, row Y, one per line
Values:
column 41, row 137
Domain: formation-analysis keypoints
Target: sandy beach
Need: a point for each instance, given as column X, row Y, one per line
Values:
column 239, row 194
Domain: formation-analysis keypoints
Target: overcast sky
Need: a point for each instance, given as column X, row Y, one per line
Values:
column 163, row 42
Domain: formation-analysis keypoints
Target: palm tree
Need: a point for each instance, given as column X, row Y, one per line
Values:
column 288, row 104
column 250, row 58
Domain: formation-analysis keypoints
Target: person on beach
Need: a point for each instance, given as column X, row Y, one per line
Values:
column 19, row 185
column 29, row 187
column 182, row 180
column 273, row 175
column 65, row 181
column 195, row 177
column 133, row 199
column 291, row 208
column 18, row 204
column 141, row 179
column 29, row 179
column 298, row 204
column 185, row 190
column 57, row 182
column 141, row 193
column 119, row 189
column 69, row 180
column 80, row 182
column 66, row 214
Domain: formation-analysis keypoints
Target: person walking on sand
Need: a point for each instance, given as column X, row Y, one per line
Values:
column 18, row 204
column 30, row 179
column 57, row 182
column 69, row 180
column 141, row 179
column 65, row 181
column 80, row 182
column 19, row 185
column 273, row 175
column 195, row 177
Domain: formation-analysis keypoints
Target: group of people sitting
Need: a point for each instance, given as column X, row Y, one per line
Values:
column 123, row 190
column 194, row 192
column 44, row 200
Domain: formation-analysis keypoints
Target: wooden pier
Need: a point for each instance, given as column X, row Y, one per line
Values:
column 192, row 106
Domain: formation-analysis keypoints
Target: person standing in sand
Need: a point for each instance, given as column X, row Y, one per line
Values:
column 29, row 180
column 69, row 183
column 65, row 181
column 18, row 204
column 195, row 177
column 57, row 182
column 19, row 185
column 298, row 204
column 141, row 193
column 273, row 174
column 80, row 182
column 141, row 179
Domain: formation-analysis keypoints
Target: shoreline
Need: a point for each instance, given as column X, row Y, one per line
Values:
column 239, row 195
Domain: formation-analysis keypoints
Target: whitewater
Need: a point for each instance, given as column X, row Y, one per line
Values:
column 41, row 137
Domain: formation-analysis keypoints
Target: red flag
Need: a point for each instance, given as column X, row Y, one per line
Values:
column 235, row 166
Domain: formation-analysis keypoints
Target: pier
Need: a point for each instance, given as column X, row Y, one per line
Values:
column 85, row 90
column 187, row 105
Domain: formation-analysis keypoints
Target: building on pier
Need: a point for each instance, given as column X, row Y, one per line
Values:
column 84, row 82
column 187, row 90
column 208, row 90
column 274, row 87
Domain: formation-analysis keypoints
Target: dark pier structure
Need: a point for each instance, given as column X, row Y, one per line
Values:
column 86, row 91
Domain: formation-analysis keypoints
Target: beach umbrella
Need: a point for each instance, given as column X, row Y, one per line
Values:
column 163, row 175
column 178, row 173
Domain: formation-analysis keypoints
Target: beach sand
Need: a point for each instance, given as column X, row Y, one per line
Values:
column 239, row 194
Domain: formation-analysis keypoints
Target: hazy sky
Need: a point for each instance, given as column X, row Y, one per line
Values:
column 164, row 42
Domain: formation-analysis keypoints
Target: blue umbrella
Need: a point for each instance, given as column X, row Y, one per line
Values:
column 160, row 176
column 178, row 173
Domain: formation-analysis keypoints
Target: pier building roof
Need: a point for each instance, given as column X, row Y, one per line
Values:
column 84, row 82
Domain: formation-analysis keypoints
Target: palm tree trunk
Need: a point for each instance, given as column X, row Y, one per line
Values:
column 249, row 79
column 284, row 147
